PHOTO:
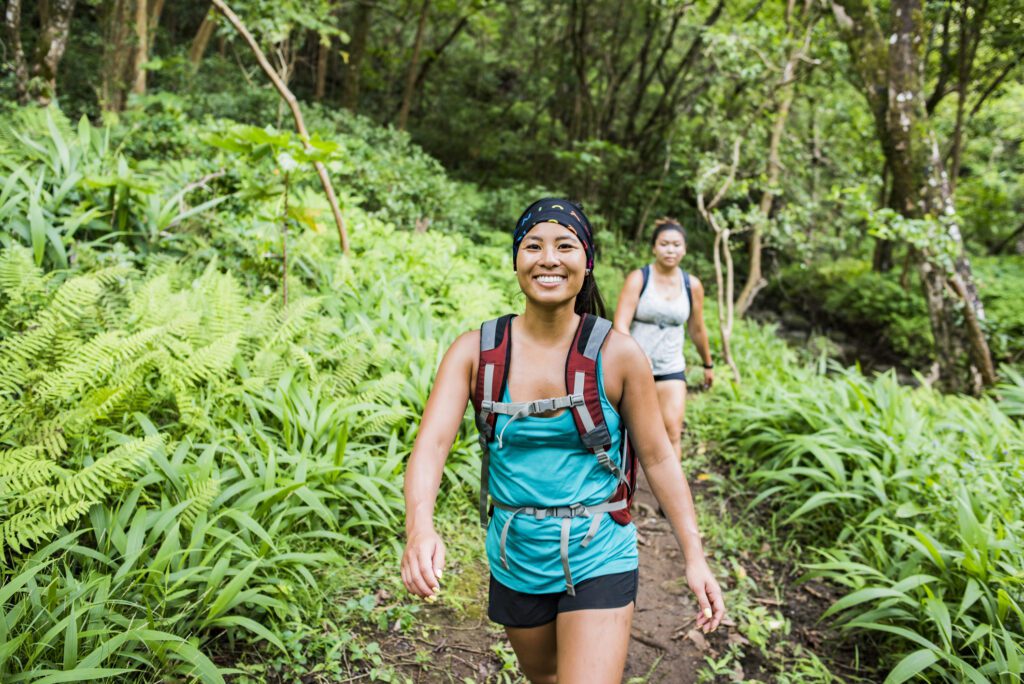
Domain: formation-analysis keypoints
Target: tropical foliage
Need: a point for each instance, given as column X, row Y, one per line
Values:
column 205, row 407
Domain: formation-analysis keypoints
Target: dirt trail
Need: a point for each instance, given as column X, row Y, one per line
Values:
column 665, row 646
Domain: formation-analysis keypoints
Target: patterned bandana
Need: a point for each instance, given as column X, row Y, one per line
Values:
column 562, row 212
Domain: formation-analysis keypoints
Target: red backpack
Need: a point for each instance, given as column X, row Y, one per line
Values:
column 585, row 403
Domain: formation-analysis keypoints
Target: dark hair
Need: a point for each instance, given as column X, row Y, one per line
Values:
column 589, row 299
column 666, row 223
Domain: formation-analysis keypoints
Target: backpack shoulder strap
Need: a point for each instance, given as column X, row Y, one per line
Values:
column 646, row 274
column 581, row 380
column 491, row 380
column 689, row 290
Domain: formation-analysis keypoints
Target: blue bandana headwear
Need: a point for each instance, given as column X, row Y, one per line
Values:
column 562, row 212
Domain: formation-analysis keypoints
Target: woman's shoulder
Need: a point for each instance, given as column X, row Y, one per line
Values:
column 467, row 343
column 622, row 351
column 695, row 283
column 634, row 278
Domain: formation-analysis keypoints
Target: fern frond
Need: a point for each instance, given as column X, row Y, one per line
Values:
column 96, row 361
column 384, row 390
column 201, row 495
column 291, row 322
column 305, row 360
column 27, row 475
column 19, row 275
column 212, row 361
column 222, row 301
column 97, row 479
column 68, row 306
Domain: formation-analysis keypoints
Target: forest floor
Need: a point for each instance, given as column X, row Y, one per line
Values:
column 771, row 625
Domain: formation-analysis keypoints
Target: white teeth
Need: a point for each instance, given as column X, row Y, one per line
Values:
column 550, row 279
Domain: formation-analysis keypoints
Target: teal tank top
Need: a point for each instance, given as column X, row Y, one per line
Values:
column 542, row 462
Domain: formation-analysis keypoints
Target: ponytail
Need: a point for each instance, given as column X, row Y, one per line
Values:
column 589, row 299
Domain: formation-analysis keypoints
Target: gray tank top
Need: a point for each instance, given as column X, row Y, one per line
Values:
column 659, row 326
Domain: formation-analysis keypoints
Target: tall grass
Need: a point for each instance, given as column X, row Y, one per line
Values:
column 267, row 444
column 910, row 499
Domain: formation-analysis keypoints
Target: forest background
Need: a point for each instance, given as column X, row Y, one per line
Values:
column 211, row 366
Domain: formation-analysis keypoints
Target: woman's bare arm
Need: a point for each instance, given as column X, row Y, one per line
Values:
column 424, row 553
column 698, row 331
column 639, row 407
column 628, row 299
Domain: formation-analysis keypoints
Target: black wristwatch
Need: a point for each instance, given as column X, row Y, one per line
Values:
column 708, row 366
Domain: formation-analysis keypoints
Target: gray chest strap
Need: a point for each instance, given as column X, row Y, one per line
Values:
column 566, row 513
column 521, row 409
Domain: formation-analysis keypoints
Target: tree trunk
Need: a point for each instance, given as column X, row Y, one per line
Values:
column 721, row 251
column 920, row 186
column 202, row 39
column 116, row 55
column 323, row 50
column 410, row 77
column 882, row 260
column 435, row 54
column 787, row 85
column 141, row 52
column 12, row 22
column 357, row 50
column 50, row 47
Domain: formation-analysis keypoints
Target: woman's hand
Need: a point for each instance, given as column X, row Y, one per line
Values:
column 709, row 595
column 709, row 378
column 423, row 563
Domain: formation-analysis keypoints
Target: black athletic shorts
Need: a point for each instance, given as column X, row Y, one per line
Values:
column 681, row 375
column 513, row 608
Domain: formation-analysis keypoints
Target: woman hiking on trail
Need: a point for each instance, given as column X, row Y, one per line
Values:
column 550, row 408
column 658, row 304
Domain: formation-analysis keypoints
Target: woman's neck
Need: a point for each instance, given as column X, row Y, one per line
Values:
column 549, row 324
column 664, row 270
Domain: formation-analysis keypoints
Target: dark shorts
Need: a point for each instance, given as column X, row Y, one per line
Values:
column 513, row 608
column 681, row 375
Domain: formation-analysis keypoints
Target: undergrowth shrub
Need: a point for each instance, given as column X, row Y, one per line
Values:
column 180, row 457
column 890, row 316
column 909, row 499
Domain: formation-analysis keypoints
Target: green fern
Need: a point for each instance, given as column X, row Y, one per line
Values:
column 20, row 278
column 42, row 498
column 200, row 495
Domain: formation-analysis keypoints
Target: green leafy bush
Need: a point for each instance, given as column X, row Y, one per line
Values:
column 180, row 457
column 911, row 501
column 891, row 318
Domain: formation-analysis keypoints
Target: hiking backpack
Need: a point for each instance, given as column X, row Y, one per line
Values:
column 583, row 401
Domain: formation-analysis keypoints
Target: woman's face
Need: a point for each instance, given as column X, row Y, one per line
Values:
column 669, row 248
column 551, row 264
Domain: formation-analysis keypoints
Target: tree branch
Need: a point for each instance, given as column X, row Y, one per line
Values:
column 293, row 104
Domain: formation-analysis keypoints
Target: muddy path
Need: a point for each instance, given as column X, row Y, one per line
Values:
column 463, row 647
column 665, row 646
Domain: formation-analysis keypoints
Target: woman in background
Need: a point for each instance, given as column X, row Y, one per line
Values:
column 658, row 304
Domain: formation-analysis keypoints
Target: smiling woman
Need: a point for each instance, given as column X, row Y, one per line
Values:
column 558, row 472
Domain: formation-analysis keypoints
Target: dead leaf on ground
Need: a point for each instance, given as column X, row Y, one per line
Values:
column 697, row 637
column 737, row 639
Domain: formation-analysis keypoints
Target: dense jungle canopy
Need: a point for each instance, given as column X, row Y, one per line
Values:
column 235, row 238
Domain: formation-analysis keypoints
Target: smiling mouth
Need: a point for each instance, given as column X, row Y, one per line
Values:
column 550, row 279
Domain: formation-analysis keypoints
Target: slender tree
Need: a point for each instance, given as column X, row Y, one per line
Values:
column 413, row 69
column 293, row 105
column 356, row 53
column 888, row 71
